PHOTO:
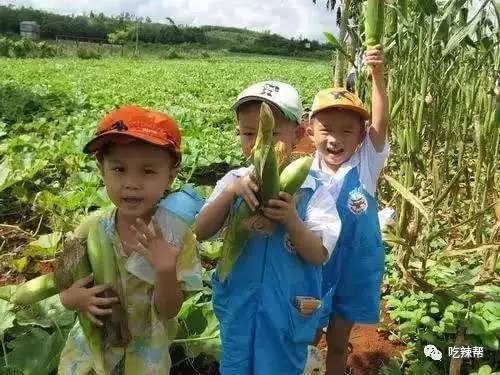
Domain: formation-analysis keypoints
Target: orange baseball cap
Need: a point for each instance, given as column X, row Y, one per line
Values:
column 132, row 122
column 338, row 97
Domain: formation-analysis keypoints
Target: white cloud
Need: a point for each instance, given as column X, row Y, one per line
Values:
column 292, row 18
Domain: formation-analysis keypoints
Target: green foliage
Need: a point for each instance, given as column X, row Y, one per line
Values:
column 88, row 53
column 119, row 37
column 26, row 48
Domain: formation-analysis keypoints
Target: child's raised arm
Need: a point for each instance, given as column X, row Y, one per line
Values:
column 380, row 107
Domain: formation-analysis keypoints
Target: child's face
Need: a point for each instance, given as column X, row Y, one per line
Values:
column 336, row 135
column 248, row 125
column 136, row 176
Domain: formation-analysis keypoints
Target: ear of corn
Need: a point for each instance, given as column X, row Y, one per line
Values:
column 35, row 290
column 282, row 155
column 93, row 334
column 47, row 285
column 235, row 240
column 264, row 157
column 270, row 186
column 266, row 173
column 101, row 255
column 75, row 262
column 294, row 175
column 374, row 22
column 102, row 260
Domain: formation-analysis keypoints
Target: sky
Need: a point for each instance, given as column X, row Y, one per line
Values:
column 290, row 18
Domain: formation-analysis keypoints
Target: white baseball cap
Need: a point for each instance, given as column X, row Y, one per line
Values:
column 281, row 95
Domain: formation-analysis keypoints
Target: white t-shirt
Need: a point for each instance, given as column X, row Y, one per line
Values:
column 321, row 216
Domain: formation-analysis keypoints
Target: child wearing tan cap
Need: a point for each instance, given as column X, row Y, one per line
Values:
column 138, row 155
column 349, row 159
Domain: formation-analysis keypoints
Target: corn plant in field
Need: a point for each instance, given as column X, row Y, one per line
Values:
column 443, row 177
column 443, row 66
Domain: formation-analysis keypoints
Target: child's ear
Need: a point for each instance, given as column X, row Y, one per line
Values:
column 300, row 130
column 310, row 132
column 172, row 175
column 100, row 163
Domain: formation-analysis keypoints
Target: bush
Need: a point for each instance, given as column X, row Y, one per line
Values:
column 26, row 48
column 86, row 53
column 46, row 50
column 5, row 47
column 171, row 54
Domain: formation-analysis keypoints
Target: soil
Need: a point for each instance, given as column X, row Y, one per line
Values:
column 304, row 147
column 369, row 348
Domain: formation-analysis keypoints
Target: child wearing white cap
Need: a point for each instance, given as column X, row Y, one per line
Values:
column 262, row 330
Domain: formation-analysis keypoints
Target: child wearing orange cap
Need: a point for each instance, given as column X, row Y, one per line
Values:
column 349, row 159
column 138, row 155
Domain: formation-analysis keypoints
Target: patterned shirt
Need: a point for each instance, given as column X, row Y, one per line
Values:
column 148, row 351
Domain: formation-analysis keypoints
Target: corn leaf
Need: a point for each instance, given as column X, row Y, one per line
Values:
column 429, row 7
column 477, row 250
column 464, row 32
column 409, row 196
column 474, row 217
column 391, row 238
column 337, row 46
column 497, row 209
column 448, row 188
column 396, row 108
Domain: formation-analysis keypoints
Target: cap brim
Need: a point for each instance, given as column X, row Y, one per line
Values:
column 251, row 98
column 363, row 112
column 95, row 144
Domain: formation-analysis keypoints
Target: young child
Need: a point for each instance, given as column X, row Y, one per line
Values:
column 349, row 159
column 262, row 331
column 138, row 155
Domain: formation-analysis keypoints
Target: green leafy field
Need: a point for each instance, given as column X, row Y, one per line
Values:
column 49, row 110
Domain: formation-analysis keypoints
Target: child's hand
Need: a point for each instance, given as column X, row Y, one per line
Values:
column 152, row 245
column 246, row 188
column 374, row 57
column 81, row 297
column 282, row 210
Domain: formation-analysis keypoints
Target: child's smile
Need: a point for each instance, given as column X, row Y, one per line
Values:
column 132, row 202
column 336, row 134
